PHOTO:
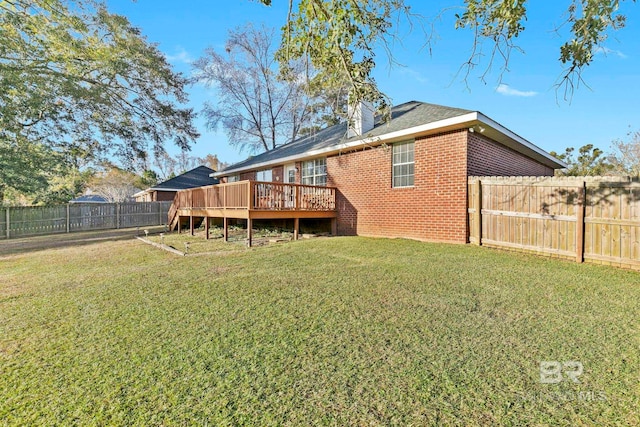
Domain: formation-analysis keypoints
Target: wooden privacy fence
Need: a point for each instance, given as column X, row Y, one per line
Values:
column 595, row 219
column 40, row 220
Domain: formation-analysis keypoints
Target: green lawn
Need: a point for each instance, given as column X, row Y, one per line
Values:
column 340, row 331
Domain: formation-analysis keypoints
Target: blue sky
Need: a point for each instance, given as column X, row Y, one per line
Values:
column 525, row 100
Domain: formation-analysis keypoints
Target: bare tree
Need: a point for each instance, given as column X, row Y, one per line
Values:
column 258, row 108
column 212, row 161
column 166, row 165
column 186, row 162
column 626, row 155
column 116, row 185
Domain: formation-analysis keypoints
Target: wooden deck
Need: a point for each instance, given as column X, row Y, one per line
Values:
column 251, row 200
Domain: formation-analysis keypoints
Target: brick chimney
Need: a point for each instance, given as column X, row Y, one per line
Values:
column 361, row 118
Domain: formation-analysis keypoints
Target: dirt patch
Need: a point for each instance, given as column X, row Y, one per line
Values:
column 38, row 243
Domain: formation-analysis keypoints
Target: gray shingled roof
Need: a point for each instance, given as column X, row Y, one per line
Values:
column 197, row 177
column 89, row 198
column 403, row 116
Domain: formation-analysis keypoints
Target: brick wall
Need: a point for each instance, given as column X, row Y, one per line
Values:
column 433, row 209
column 164, row 196
column 277, row 174
column 248, row 176
column 488, row 158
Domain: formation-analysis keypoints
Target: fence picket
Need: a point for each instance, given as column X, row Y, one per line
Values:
column 42, row 220
column 593, row 219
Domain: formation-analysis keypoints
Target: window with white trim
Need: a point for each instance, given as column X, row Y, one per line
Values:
column 233, row 178
column 403, row 164
column 264, row 175
column 314, row 172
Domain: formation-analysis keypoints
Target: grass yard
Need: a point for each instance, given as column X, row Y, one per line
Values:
column 340, row 331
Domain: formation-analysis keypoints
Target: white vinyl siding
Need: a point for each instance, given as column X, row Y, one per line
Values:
column 314, row 172
column 403, row 164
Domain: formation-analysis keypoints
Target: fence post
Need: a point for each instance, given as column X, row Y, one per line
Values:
column 582, row 205
column 477, row 215
column 117, row 215
column 68, row 218
column 8, row 218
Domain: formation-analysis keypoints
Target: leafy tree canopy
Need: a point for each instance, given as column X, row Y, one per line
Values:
column 79, row 82
column 590, row 161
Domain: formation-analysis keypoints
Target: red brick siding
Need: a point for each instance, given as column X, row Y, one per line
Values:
column 277, row 174
column 434, row 209
column 488, row 158
column 244, row 176
column 164, row 196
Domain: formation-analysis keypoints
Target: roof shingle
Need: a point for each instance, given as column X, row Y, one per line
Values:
column 403, row 116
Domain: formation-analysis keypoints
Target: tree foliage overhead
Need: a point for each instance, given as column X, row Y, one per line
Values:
column 79, row 81
column 501, row 21
column 342, row 36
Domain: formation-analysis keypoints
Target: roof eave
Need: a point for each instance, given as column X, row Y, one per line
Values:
column 506, row 137
column 496, row 132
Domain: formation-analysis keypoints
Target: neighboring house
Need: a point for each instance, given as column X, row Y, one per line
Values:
column 89, row 198
column 403, row 178
column 165, row 191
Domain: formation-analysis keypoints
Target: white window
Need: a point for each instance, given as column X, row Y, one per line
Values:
column 233, row 178
column 403, row 164
column 264, row 175
column 314, row 172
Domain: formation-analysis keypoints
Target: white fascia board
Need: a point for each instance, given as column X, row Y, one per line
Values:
column 169, row 189
column 445, row 125
column 345, row 146
column 140, row 193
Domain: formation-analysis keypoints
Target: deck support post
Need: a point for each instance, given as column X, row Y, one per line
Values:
column 191, row 224
column 334, row 226
column 179, row 228
column 225, row 226
column 249, row 231
column 296, row 228
column 206, row 227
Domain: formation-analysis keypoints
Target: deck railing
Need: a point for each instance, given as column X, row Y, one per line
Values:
column 256, row 195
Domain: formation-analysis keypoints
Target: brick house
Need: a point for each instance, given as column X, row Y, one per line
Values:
column 403, row 178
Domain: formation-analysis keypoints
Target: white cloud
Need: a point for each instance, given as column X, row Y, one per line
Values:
column 181, row 56
column 414, row 74
column 601, row 50
column 507, row 90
